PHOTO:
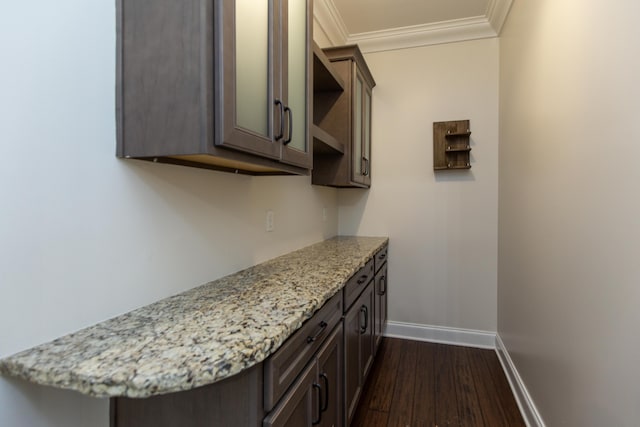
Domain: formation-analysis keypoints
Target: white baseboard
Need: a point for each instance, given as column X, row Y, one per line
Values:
column 527, row 408
column 440, row 334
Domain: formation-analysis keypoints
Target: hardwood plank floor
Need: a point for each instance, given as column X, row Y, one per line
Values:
column 420, row 384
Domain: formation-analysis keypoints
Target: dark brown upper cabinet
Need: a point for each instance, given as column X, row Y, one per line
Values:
column 346, row 116
column 218, row 84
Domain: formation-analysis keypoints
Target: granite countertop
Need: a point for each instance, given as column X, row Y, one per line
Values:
column 200, row 336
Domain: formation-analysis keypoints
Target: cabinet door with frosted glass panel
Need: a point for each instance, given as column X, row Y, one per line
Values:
column 246, row 81
column 262, row 65
column 296, row 67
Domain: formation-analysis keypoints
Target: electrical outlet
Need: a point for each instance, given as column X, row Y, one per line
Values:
column 270, row 224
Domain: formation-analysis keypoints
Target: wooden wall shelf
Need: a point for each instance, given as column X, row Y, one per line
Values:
column 451, row 146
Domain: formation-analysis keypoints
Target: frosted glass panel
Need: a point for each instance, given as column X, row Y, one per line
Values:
column 357, row 140
column 252, row 65
column 297, row 71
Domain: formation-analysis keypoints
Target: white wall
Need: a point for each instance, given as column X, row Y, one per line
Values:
column 85, row 236
column 443, row 227
column 569, row 235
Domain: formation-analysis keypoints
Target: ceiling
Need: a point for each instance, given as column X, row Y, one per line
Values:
column 377, row 25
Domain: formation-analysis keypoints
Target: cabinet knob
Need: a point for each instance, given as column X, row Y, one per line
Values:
column 362, row 279
column 311, row 339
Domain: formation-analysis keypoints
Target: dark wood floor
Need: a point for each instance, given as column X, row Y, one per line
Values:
column 420, row 384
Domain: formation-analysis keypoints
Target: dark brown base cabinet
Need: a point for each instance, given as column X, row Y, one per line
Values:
column 315, row 398
column 315, row 378
column 358, row 348
column 380, row 291
column 235, row 401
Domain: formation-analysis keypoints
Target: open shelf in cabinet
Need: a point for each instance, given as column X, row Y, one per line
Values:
column 324, row 143
column 324, row 77
column 451, row 145
column 327, row 87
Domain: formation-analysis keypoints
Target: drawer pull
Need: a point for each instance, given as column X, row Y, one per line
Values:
column 383, row 286
column 288, row 138
column 326, row 392
column 319, row 420
column 382, row 256
column 323, row 326
column 279, row 136
column 362, row 279
column 364, row 310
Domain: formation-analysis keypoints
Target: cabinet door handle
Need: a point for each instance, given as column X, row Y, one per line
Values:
column 281, row 133
column 382, row 256
column 362, row 279
column 290, row 114
column 319, row 388
column 326, row 391
column 323, row 326
column 365, row 168
column 383, row 289
column 364, row 310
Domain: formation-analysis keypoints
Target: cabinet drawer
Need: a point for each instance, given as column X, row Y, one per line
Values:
column 357, row 283
column 297, row 407
column 381, row 257
column 282, row 368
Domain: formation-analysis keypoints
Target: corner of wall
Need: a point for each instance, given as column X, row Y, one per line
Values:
column 526, row 404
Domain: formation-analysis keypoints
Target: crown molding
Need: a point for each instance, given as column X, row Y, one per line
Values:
column 497, row 11
column 423, row 35
column 328, row 18
column 478, row 27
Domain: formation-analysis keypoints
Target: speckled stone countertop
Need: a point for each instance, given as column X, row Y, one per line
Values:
column 200, row 336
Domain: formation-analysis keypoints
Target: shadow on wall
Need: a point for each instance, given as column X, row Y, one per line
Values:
column 176, row 184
